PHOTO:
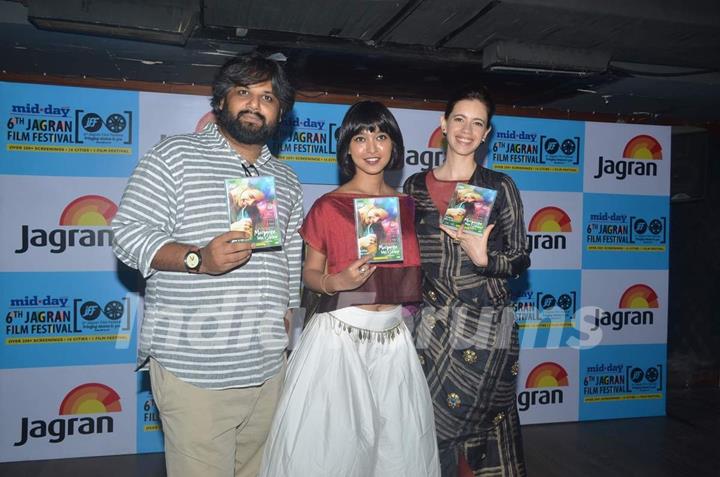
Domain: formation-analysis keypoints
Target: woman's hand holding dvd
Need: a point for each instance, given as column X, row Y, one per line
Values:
column 475, row 246
column 353, row 276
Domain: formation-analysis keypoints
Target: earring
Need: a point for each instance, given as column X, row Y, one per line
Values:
column 444, row 132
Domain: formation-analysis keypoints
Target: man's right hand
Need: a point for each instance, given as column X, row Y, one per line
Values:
column 221, row 254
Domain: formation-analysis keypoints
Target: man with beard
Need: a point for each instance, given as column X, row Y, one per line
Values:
column 213, row 335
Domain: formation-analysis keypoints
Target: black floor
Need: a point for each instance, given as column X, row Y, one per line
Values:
column 685, row 443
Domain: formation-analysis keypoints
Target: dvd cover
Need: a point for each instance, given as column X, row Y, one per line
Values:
column 377, row 228
column 252, row 210
column 469, row 206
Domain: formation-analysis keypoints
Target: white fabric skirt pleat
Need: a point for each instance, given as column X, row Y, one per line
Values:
column 355, row 402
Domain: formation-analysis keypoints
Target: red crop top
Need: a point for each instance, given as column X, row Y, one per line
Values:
column 329, row 228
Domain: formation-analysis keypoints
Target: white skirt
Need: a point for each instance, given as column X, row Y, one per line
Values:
column 355, row 402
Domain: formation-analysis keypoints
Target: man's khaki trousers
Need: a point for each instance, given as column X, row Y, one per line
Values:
column 213, row 433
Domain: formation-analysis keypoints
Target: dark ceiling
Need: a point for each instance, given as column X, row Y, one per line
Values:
column 654, row 60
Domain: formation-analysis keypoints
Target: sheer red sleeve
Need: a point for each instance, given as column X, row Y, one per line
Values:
column 329, row 228
column 313, row 230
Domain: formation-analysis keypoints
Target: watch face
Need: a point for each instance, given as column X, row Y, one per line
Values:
column 192, row 260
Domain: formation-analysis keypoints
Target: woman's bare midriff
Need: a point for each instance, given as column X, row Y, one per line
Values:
column 376, row 307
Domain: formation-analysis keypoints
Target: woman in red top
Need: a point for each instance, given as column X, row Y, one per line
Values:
column 355, row 401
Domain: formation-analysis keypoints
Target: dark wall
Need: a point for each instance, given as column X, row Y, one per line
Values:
column 694, row 315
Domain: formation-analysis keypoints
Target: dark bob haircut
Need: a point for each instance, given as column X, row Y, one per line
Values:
column 250, row 69
column 368, row 116
column 477, row 93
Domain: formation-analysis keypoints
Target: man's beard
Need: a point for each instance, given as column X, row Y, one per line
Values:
column 242, row 132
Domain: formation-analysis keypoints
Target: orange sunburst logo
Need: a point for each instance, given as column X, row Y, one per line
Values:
column 639, row 296
column 90, row 210
column 550, row 219
column 643, row 147
column 91, row 398
column 437, row 139
column 547, row 375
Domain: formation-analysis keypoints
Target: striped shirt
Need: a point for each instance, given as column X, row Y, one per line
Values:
column 214, row 332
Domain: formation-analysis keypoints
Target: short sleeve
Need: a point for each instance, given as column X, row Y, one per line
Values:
column 313, row 230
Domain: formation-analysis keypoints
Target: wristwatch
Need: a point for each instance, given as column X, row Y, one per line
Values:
column 192, row 261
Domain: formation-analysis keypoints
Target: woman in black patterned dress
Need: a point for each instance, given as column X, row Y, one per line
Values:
column 466, row 335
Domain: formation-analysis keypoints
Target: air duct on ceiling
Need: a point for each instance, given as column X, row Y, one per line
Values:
column 158, row 21
column 522, row 57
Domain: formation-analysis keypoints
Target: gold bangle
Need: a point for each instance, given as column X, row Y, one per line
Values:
column 322, row 285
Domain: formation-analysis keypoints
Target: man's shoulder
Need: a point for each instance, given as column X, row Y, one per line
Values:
column 284, row 170
column 188, row 141
column 174, row 151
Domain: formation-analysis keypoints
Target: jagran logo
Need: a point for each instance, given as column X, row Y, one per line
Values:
column 90, row 398
column 90, row 210
column 544, row 375
column 547, row 229
column 636, row 306
column 640, row 158
column 428, row 158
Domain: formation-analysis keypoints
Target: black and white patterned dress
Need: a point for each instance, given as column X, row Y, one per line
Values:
column 466, row 335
